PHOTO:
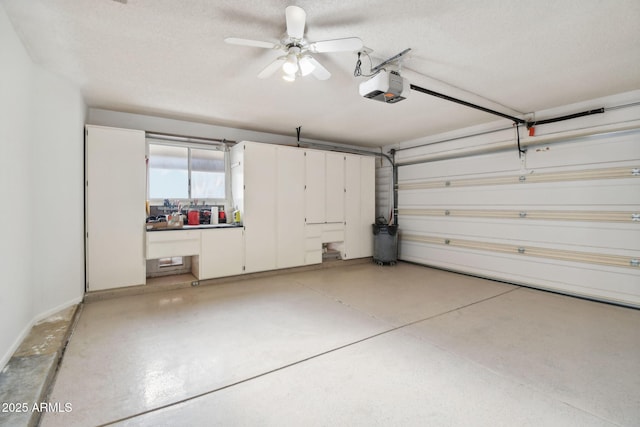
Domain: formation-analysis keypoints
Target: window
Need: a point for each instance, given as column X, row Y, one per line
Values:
column 207, row 174
column 185, row 173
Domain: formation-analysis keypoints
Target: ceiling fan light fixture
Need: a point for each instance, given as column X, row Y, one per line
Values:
column 291, row 64
column 289, row 77
column 296, row 60
column 306, row 66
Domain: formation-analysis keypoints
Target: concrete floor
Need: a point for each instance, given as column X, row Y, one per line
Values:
column 26, row 378
column 359, row 345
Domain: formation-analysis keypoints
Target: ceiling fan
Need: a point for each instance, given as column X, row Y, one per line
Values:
column 297, row 60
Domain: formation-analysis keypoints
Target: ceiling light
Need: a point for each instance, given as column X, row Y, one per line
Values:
column 289, row 77
column 306, row 66
column 290, row 66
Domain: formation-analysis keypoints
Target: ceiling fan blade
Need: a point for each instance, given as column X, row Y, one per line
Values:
column 319, row 72
column 296, row 18
column 349, row 44
column 252, row 43
column 271, row 68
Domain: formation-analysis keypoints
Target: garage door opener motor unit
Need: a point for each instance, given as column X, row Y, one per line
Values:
column 386, row 86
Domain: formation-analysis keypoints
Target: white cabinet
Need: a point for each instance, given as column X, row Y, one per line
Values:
column 290, row 205
column 293, row 200
column 315, row 182
column 215, row 252
column 115, row 209
column 172, row 243
column 259, row 216
column 324, row 178
column 313, row 244
column 221, row 253
column 253, row 164
column 334, row 195
column 359, row 206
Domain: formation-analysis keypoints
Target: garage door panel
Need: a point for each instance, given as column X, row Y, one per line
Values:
column 615, row 239
column 597, row 150
column 486, row 164
column 565, row 218
column 613, row 192
column 614, row 284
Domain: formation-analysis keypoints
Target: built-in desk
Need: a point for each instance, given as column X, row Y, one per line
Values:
column 215, row 250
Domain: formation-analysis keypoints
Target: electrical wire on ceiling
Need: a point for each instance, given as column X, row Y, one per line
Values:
column 358, row 71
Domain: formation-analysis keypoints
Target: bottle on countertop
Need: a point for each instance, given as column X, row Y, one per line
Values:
column 236, row 216
column 214, row 214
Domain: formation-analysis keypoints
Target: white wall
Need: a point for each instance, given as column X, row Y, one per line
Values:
column 41, row 167
column 16, row 294
column 57, row 191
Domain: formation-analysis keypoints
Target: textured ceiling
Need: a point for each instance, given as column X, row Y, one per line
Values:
column 168, row 58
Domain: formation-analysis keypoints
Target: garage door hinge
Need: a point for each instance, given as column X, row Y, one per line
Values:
column 635, row 171
column 522, row 178
column 634, row 263
column 520, row 250
column 522, row 214
column 635, row 217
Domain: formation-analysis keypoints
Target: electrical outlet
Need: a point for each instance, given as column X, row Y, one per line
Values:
column 195, row 283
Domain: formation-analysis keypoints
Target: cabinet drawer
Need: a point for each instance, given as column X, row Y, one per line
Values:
column 313, row 230
column 333, row 232
column 172, row 235
column 313, row 244
column 332, row 226
column 164, row 244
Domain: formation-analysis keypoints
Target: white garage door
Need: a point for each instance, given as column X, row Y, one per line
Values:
column 565, row 217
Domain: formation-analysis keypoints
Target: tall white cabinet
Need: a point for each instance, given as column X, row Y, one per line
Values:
column 252, row 164
column 268, row 189
column 290, row 206
column 115, row 211
column 294, row 200
column 359, row 206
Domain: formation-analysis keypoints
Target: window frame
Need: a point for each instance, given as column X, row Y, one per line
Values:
column 198, row 146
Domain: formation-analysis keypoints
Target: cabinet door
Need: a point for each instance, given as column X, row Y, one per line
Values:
column 352, row 210
column 290, row 207
column 259, row 207
column 315, row 187
column 334, row 200
column 220, row 253
column 367, row 204
column 359, row 206
column 115, row 213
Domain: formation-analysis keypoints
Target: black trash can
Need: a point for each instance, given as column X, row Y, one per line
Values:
column 385, row 244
